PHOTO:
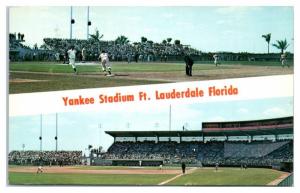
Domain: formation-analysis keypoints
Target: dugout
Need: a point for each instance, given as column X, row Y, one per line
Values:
column 127, row 162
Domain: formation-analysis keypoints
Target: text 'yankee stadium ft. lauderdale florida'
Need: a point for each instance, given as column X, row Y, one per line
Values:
column 118, row 97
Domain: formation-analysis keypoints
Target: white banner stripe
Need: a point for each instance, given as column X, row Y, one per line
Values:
column 157, row 94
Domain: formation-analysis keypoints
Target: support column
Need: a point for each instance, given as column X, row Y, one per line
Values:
column 88, row 22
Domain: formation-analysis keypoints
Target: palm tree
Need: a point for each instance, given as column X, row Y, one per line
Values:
column 143, row 39
column 268, row 39
column 150, row 42
column 281, row 44
column 169, row 40
column 177, row 42
column 122, row 40
column 97, row 37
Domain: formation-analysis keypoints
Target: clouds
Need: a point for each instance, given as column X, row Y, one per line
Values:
column 236, row 10
column 168, row 15
column 276, row 112
column 243, row 110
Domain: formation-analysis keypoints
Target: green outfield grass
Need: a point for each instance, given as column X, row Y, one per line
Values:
column 228, row 177
column 199, row 177
column 53, row 83
column 85, row 179
column 26, row 77
column 52, row 67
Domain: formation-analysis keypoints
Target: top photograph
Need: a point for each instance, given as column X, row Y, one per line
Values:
column 66, row 48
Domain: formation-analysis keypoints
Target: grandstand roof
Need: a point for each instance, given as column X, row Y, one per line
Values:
column 278, row 120
column 275, row 126
column 200, row 133
column 154, row 133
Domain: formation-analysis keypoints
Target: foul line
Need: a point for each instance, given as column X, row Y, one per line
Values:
column 175, row 177
column 278, row 180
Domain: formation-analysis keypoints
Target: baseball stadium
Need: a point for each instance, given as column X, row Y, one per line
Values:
column 142, row 61
column 240, row 153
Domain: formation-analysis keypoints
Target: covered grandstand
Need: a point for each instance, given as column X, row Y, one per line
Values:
column 266, row 127
column 256, row 143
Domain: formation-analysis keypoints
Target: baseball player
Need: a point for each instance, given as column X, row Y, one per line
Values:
column 216, row 58
column 217, row 167
column 188, row 65
column 283, row 60
column 40, row 169
column 183, row 166
column 105, row 62
column 72, row 56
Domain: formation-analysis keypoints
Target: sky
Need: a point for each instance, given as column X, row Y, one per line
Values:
column 209, row 29
column 76, row 130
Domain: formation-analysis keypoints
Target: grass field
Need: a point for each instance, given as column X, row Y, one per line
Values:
column 86, row 179
column 228, row 177
column 89, row 175
column 27, row 77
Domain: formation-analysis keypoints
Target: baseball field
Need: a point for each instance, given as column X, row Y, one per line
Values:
column 25, row 77
column 167, row 176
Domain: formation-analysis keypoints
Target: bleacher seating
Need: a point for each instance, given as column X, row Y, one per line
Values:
column 258, row 153
column 45, row 157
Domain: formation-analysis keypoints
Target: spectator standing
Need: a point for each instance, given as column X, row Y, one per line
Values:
column 66, row 58
column 57, row 57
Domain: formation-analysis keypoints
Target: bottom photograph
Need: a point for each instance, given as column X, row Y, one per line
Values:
column 230, row 143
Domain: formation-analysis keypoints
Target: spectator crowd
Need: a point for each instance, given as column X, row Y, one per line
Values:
column 138, row 51
column 55, row 49
column 255, row 153
column 49, row 158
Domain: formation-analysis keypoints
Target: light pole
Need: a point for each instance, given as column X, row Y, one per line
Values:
column 156, row 125
column 99, row 126
column 72, row 21
column 56, row 132
column 41, row 132
column 128, row 125
column 89, row 23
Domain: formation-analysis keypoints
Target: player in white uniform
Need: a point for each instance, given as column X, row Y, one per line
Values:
column 83, row 54
column 105, row 62
column 283, row 60
column 72, row 57
column 40, row 169
column 216, row 58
